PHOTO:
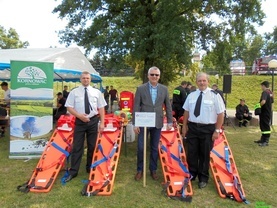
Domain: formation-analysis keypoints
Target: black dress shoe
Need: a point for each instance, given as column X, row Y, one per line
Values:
column 69, row 178
column 202, row 184
column 263, row 144
column 258, row 141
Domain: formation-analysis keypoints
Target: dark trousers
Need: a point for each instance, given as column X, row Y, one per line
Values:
column 107, row 106
column 265, row 126
column 199, row 144
column 90, row 130
column 155, row 135
column 57, row 114
column 241, row 117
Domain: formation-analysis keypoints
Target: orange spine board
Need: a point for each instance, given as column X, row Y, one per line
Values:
column 102, row 176
column 222, row 177
column 174, row 176
column 52, row 159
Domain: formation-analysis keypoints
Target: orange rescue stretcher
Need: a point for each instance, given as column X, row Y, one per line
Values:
column 105, row 159
column 53, row 157
column 224, row 170
column 174, row 165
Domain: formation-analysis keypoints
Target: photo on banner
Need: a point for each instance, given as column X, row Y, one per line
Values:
column 31, row 108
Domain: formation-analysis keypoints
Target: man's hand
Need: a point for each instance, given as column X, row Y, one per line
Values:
column 184, row 131
column 136, row 130
column 168, row 127
column 101, row 127
column 84, row 118
column 215, row 136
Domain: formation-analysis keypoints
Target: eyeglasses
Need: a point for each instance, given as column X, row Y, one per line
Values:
column 152, row 75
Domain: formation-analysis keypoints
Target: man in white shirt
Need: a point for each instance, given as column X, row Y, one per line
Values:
column 86, row 123
column 7, row 92
column 203, row 118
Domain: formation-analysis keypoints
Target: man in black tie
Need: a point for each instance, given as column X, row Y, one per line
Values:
column 203, row 118
column 87, row 105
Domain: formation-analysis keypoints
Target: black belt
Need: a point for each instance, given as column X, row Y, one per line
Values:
column 97, row 115
column 93, row 117
column 200, row 124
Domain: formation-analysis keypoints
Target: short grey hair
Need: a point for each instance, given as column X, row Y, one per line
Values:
column 201, row 74
column 154, row 68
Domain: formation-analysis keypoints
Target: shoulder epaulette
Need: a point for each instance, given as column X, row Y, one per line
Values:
column 215, row 92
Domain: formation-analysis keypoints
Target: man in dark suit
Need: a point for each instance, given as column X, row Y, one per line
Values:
column 151, row 97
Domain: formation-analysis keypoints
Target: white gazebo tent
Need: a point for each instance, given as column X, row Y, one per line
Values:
column 68, row 62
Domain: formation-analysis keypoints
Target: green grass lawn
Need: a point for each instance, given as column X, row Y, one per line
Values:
column 256, row 165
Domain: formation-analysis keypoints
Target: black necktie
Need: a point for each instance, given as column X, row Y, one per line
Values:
column 198, row 105
column 87, row 111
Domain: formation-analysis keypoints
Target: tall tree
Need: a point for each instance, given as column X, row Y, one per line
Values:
column 10, row 39
column 271, row 42
column 254, row 48
column 155, row 32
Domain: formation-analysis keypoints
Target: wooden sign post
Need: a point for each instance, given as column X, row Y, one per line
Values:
column 145, row 119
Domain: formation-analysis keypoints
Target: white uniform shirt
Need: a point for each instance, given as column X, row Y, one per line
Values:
column 76, row 98
column 211, row 105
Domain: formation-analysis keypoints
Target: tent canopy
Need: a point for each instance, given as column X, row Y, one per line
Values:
column 69, row 63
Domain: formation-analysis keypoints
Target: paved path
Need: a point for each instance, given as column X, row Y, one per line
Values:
column 232, row 112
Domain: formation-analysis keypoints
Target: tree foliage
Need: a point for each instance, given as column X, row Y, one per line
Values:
column 271, row 42
column 10, row 39
column 253, row 50
column 158, row 32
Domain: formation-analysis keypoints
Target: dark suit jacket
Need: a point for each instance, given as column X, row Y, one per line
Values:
column 143, row 103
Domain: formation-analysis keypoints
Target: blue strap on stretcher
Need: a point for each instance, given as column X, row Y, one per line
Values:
column 66, row 153
column 228, row 167
column 225, row 159
column 105, row 158
column 238, row 188
column 183, row 167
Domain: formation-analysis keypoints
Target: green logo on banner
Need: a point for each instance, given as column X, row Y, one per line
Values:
column 32, row 75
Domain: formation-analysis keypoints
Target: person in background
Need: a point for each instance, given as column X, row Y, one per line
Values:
column 113, row 97
column 242, row 113
column 266, row 101
column 65, row 91
column 193, row 88
column 215, row 88
column 87, row 113
column 203, row 119
column 151, row 97
column 7, row 92
column 3, row 122
column 107, row 98
column 61, row 109
column 188, row 87
column 178, row 100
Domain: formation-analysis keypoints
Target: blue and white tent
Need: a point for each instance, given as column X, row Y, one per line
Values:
column 69, row 63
